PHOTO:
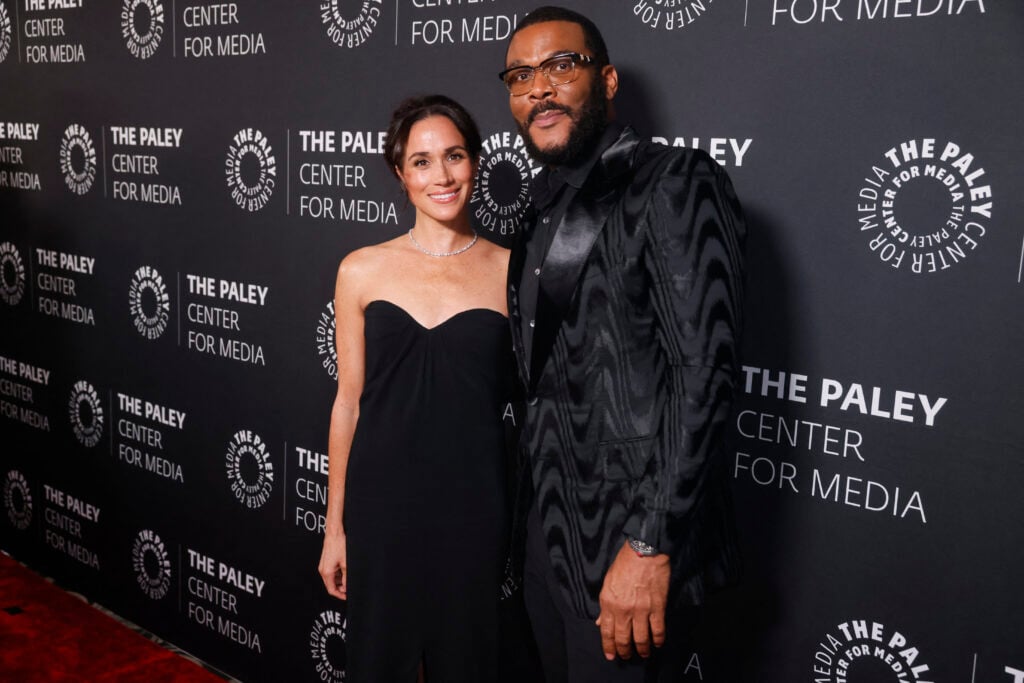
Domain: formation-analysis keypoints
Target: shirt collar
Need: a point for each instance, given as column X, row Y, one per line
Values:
column 575, row 174
column 552, row 178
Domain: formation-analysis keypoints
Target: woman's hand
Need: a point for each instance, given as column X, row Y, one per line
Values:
column 334, row 565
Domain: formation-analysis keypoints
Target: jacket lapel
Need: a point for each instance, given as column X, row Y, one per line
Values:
column 584, row 219
column 515, row 279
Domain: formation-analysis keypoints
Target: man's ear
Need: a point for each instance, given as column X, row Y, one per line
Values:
column 611, row 81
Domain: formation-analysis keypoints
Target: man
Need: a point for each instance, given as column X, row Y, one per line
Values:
column 624, row 295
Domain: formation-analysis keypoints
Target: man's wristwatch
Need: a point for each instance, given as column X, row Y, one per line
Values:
column 642, row 549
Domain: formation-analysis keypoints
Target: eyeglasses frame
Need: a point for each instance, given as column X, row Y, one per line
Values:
column 576, row 57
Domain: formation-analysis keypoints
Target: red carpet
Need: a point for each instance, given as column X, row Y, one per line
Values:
column 47, row 634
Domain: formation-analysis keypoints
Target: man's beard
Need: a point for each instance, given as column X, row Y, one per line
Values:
column 587, row 126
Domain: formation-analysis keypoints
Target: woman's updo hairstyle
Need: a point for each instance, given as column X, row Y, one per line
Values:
column 422, row 107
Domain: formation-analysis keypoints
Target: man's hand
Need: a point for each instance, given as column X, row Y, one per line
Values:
column 633, row 600
column 334, row 565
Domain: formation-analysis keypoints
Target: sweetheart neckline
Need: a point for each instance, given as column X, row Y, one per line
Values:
column 440, row 324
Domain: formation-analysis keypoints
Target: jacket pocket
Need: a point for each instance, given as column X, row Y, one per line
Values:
column 625, row 459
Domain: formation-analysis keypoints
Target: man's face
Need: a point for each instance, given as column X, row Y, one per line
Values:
column 559, row 124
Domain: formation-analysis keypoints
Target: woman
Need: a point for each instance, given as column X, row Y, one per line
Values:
column 415, row 528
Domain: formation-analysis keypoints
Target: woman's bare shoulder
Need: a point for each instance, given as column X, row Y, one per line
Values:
column 495, row 253
column 493, row 249
column 367, row 262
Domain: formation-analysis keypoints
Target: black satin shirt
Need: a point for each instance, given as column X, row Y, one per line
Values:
column 552, row 190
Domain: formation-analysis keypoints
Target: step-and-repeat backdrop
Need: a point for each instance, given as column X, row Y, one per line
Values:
column 179, row 179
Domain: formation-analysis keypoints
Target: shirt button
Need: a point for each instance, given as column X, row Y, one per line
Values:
column 536, row 271
column 531, row 323
column 546, row 220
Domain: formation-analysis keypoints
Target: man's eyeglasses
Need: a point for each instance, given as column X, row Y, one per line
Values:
column 559, row 70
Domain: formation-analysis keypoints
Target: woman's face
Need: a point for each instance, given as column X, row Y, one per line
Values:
column 437, row 170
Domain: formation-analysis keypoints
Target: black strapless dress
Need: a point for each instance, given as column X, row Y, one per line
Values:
column 425, row 508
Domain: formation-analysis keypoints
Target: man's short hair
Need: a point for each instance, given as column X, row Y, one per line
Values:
column 591, row 34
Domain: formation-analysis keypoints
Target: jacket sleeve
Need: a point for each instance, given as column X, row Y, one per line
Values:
column 693, row 259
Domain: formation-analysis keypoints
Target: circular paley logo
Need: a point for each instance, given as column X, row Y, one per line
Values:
column 251, row 169
column 862, row 651
column 86, row 413
column 346, row 30
column 249, row 469
column 142, row 26
column 924, row 206
column 669, row 15
column 501, row 194
column 18, row 500
column 12, row 274
column 5, row 32
column 327, row 646
column 151, row 564
column 325, row 346
column 149, row 302
column 77, row 159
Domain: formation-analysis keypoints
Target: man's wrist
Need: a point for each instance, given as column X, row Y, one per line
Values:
column 640, row 548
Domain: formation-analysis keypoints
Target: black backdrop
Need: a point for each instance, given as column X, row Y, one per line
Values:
column 178, row 181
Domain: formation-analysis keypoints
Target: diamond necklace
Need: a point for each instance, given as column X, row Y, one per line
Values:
column 442, row 253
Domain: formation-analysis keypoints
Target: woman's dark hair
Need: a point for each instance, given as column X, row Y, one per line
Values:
column 421, row 107
column 592, row 37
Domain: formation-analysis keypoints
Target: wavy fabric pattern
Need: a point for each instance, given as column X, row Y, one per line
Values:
column 632, row 375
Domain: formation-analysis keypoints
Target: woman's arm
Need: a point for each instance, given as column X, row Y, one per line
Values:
column 348, row 314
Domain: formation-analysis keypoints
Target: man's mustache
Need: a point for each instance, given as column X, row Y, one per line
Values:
column 545, row 107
